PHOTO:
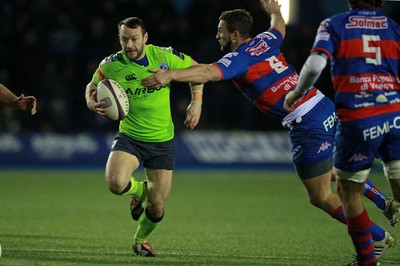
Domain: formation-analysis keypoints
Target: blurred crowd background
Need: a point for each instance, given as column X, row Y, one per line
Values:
column 50, row 49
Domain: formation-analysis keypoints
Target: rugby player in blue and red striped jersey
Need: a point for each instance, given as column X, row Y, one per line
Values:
column 260, row 71
column 364, row 50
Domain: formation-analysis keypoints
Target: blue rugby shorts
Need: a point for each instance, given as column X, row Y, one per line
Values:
column 312, row 139
column 359, row 142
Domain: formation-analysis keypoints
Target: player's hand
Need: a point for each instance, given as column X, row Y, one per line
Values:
column 291, row 99
column 271, row 6
column 159, row 79
column 26, row 103
column 193, row 113
column 96, row 106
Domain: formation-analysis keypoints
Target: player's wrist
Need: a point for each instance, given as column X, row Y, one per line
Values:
column 197, row 95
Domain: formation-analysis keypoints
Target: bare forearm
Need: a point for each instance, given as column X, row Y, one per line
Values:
column 6, row 96
column 196, row 74
column 278, row 23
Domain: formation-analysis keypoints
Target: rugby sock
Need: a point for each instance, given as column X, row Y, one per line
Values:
column 359, row 229
column 377, row 232
column 146, row 225
column 373, row 193
column 134, row 188
column 338, row 214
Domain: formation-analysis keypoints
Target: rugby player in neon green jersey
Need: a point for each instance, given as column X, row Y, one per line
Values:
column 146, row 134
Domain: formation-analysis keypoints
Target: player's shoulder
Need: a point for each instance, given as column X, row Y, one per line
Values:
column 116, row 57
column 169, row 51
column 269, row 35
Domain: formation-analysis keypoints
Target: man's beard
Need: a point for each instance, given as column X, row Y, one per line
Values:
column 227, row 47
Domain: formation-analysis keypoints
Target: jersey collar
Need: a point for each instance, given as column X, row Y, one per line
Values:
column 142, row 62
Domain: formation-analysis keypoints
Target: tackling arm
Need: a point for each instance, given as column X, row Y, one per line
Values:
column 196, row 74
column 200, row 73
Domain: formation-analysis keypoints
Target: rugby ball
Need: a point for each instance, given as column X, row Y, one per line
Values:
column 114, row 97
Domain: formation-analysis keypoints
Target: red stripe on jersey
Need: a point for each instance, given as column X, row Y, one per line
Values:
column 257, row 71
column 346, row 115
column 365, row 82
column 100, row 74
column 275, row 93
column 356, row 48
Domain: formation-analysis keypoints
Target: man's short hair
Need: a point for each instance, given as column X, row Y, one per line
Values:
column 133, row 23
column 238, row 20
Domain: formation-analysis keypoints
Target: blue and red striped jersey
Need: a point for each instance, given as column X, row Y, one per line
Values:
column 364, row 49
column 259, row 70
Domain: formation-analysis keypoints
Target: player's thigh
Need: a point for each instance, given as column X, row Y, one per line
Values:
column 120, row 166
column 159, row 182
column 319, row 186
column 354, row 152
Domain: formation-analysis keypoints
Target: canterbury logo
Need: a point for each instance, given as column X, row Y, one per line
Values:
column 324, row 146
column 358, row 157
column 130, row 77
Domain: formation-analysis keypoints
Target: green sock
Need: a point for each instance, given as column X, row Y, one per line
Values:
column 137, row 189
column 145, row 227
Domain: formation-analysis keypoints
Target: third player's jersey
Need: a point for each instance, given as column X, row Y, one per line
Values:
column 149, row 118
column 261, row 73
column 364, row 49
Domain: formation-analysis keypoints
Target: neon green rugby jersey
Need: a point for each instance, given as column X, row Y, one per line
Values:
column 149, row 118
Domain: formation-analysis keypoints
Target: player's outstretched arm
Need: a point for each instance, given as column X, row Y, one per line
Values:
column 23, row 103
column 273, row 8
column 196, row 74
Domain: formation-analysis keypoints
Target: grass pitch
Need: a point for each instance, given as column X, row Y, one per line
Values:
column 56, row 217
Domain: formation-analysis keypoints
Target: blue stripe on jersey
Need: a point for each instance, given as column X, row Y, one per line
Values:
column 259, row 86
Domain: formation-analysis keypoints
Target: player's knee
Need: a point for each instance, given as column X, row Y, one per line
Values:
column 392, row 169
column 155, row 208
column 317, row 200
column 115, row 189
column 115, row 186
column 154, row 217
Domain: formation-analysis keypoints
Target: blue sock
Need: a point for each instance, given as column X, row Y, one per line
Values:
column 372, row 192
